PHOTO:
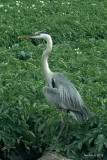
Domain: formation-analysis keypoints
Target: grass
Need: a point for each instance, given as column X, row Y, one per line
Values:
column 28, row 122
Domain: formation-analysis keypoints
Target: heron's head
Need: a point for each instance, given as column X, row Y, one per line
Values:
column 39, row 35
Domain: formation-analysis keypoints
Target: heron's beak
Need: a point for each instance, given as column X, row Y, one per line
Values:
column 28, row 36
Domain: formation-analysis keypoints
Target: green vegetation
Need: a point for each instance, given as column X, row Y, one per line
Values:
column 28, row 124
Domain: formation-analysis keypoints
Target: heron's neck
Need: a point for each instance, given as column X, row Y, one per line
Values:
column 47, row 73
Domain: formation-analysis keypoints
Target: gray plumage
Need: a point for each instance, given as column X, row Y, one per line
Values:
column 65, row 96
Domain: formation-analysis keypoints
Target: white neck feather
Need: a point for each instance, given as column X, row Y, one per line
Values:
column 47, row 73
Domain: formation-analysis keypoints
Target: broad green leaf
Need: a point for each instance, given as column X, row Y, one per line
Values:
column 101, row 138
column 100, row 147
column 80, row 145
column 41, row 127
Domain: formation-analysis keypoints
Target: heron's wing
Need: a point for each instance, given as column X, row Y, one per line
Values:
column 52, row 95
column 69, row 95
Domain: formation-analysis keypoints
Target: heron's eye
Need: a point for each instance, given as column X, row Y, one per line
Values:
column 53, row 83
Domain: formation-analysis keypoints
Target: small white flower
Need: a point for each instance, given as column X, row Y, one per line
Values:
column 93, row 4
column 1, row 5
column 17, row 3
column 79, row 52
column 33, row 5
column 42, row 2
column 76, row 49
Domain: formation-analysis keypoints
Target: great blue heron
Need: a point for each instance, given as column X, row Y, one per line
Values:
column 60, row 92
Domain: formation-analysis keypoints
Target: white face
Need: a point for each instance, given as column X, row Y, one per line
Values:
column 45, row 37
column 42, row 35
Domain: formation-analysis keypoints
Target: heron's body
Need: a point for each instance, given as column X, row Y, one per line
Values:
column 64, row 95
column 59, row 91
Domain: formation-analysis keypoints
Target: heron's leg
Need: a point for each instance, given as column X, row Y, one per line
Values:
column 66, row 131
column 61, row 129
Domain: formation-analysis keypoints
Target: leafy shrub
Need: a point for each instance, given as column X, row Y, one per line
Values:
column 28, row 124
